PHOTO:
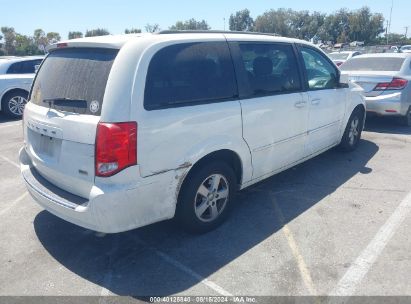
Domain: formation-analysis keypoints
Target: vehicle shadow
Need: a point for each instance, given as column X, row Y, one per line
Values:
column 5, row 118
column 162, row 260
column 386, row 125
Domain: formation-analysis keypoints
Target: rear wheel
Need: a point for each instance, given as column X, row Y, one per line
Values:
column 206, row 198
column 13, row 103
column 406, row 120
column 353, row 130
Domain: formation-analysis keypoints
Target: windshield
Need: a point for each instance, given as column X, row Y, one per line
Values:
column 373, row 64
column 72, row 75
column 338, row 56
column 406, row 48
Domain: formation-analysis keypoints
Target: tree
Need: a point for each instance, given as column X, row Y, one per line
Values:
column 365, row 26
column 25, row 46
column 152, row 28
column 40, row 39
column 74, row 35
column 132, row 31
column 275, row 21
column 53, row 37
column 241, row 21
column 9, row 36
column 97, row 32
column 191, row 24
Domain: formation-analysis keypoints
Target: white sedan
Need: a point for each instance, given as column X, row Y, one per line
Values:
column 340, row 57
column 16, row 77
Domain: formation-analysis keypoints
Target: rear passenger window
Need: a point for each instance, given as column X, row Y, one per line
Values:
column 271, row 68
column 23, row 67
column 190, row 73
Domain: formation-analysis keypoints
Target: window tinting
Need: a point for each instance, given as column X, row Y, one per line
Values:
column 188, row 73
column 23, row 67
column 270, row 68
column 373, row 64
column 321, row 74
column 73, row 75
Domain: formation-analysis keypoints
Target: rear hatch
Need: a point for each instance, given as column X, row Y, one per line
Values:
column 63, row 113
column 371, row 72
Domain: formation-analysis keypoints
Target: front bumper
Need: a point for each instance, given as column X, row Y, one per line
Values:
column 387, row 105
column 110, row 210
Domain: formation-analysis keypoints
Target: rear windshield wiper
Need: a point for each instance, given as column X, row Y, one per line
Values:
column 66, row 102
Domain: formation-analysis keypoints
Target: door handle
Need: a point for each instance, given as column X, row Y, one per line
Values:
column 315, row 101
column 300, row 104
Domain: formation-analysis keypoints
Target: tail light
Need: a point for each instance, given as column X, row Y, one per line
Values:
column 395, row 84
column 339, row 63
column 116, row 147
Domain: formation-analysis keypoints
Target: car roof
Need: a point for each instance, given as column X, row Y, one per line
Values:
column 13, row 59
column 345, row 52
column 117, row 41
column 385, row 55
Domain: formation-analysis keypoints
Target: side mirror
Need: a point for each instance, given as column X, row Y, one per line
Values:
column 344, row 81
column 36, row 68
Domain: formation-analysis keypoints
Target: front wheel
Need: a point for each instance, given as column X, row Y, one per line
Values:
column 353, row 130
column 206, row 197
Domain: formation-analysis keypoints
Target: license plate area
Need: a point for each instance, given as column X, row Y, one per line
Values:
column 43, row 146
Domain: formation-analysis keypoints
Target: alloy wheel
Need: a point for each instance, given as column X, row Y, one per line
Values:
column 211, row 198
column 17, row 104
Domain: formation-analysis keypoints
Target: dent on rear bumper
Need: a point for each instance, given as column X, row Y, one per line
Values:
column 114, row 209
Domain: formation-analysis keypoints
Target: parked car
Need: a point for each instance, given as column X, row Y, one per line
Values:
column 16, row 77
column 406, row 49
column 340, row 57
column 124, row 131
column 385, row 79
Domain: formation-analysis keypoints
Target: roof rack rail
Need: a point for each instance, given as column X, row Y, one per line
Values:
column 213, row 32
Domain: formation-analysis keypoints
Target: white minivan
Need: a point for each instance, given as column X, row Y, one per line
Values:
column 124, row 131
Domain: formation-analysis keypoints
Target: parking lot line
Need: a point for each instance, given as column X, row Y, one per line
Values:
column 305, row 273
column 185, row 269
column 11, row 205
column 358, row 270
column 10, row 161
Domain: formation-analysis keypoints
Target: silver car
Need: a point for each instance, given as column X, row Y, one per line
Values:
column 386, row 81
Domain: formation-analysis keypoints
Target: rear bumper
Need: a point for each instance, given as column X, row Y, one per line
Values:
column 387, row 105
column 109, row 209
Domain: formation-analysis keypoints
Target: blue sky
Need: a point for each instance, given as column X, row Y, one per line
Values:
column 64, row 16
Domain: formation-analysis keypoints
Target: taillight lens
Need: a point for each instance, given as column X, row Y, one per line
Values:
column 395, row 84
column 339, row 63
column 116, row 147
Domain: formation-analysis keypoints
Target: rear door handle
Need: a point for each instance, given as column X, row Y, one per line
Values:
column 315, row 101
column 300, row 104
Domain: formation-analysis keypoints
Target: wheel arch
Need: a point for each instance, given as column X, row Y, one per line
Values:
column 11, row 90
column 227, row 156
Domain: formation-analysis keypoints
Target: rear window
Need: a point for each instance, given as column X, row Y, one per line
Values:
column 373, row 64
column 74, row 80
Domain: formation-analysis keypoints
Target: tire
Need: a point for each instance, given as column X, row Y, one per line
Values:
column 201, row 206
column 406, row 120
column 353, row 130
column 13, row 103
